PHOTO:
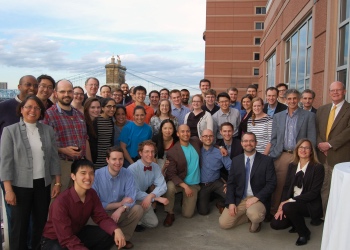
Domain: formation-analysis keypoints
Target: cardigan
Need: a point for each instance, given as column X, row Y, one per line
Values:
column 205, row 122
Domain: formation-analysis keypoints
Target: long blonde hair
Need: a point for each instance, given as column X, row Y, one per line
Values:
column 313, row 156
column 256, row 99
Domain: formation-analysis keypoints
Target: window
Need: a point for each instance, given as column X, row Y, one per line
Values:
column 259, row 25
column 257, row 40
column 260, row 10
column 343, row 42
column 298, row 57
column 256, row 71
column 256, row 56
column 271, row 70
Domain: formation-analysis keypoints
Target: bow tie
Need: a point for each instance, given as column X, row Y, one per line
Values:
column 147, row 168
column 298, row 179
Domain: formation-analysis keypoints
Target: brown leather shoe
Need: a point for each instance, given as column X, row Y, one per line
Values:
column 220, row 207
column 170, row 218
column 255, row 231
column 128, row 245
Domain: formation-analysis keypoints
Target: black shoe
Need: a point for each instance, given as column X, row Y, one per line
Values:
column 140, row 228
column 268, row 218
column 292, row 230
column 302, row 240
column 316, row 222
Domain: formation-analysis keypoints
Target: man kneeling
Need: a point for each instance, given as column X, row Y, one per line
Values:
column 66, row 226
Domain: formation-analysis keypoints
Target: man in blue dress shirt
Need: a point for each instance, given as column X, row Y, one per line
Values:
column 211, row 163
column 115, row 186
column 148, row 175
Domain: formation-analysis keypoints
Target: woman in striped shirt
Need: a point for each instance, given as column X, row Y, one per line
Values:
column 261, row 125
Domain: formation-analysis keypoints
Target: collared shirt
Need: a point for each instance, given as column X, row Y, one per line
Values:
column 271, row 111
column 69, row 130
column 339, row 106
column 236, row 105
column 297, row 191
column 68, row 215
column 252, row 157
column 290, row 134
column 213, row 111
column 114, row 189
column 233, row 116
column 180, row 113
column 212, row 161
column 144, row 179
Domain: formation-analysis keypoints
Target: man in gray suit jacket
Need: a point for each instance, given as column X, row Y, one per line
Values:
column 333, row 143
column 288, row 128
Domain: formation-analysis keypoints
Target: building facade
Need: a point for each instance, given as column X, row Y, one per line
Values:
column 233, row 34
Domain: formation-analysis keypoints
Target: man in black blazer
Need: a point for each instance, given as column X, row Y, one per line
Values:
column 272, row 106
column 250, row 185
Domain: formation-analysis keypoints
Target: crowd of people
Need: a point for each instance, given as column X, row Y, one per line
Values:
column 81, row 170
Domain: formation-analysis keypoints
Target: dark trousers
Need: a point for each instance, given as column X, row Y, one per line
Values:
column 205, row 193
column 295, row 213
column 93, row 237
column 30, row 201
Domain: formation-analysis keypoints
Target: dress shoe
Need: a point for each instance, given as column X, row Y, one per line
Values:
column 302, row 240
column 170, row 218
column 128, row 245
column 256, row 230
column 220, row 207
column 268, row 218
column 140, row 228
column 316, row 222
column 292, row 230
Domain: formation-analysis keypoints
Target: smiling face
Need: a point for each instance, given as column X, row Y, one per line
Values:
column 224, row 103
column 271, row 97
column 164, row 94
column 139, row 117
column 147, row 154
column 105, row 92
column 252, row 92
column 94, row 110
column 83, row 179
column 185, row 96
column 140, row 96
column 125, row 88
column 154, row 99
column 226, row 132
column 197, row 103
column 210, row 99
column 109, row 109
column 176, row 98
column 292, row 101
column 64, row 92
column 78, row 95
column 115, row 162
column 247, row 103
column 31, row 111
column 204, row 86
column 248, row 143
column 167, row 130
column 164, row 107
column 45, row 89
column 120, row 116
column 233, row 95
column 304, row 150
column 257, row 107
column 91, row 87
column 207, row 137
column 28, row 86
column 117, row 96
column 184, row 133
column 337, row 92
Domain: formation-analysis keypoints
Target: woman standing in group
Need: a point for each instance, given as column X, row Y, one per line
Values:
column 92, row 110
column 246, row 103
column 120, row 122
column 301, row 195
column 261, row 125
column 163, row 113
column 165, row 140
column 104, row 128
column 78, row 99
column 29, row 160
column 134, row 133
column 198, row 120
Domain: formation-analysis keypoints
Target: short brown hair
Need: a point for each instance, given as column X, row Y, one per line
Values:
column 147, row 143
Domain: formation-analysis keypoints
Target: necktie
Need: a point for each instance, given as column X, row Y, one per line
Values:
column 330, row 121
column 247, row 175
column 147, row 168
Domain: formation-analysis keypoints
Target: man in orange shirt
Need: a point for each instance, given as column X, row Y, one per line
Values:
column 140, row 95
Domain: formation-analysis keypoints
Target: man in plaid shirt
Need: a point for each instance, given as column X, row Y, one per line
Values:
column 70, row 130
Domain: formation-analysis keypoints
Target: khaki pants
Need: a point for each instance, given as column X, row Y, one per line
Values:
column 281, row 168
column 188, row 203
column 328, row 171
column 255, row 213
column 66, row 181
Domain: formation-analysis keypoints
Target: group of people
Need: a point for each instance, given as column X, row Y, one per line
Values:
column 67, row 156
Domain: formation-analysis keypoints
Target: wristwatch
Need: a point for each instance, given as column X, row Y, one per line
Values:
column 125, row 207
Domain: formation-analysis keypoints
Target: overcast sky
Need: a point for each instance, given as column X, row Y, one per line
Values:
column 67, row 38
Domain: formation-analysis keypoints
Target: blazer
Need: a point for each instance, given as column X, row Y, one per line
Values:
column 305, row 128
column 313, row 110
column 86, row 97
column 205, row 122
column 280, row 107
column 16, row 155
column 311, row 193
column 262, row 179
column 339, row 136
column 177, row 168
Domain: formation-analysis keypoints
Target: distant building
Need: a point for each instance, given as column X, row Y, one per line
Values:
column 6, row 94
column 3, row 85
column 115, row 73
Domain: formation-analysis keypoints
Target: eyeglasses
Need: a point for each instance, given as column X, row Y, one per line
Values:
column 335, row 90
column 250, row 141
column 224, row 101
column 207, row 136
column 62, row 92
column 32, row 107
column 304, row 148
column 111, row 106
column 79, row 94
column 196, row 101
column 29, row 85
column 45, row 87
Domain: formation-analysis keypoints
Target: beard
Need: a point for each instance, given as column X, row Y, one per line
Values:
column 66, row 101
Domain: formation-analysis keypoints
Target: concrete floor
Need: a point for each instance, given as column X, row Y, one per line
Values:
column 203, row 232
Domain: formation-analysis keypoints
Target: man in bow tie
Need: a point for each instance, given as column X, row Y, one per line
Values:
column 146, row 174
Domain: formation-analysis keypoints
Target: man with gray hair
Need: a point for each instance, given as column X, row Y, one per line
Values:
column 288, row 128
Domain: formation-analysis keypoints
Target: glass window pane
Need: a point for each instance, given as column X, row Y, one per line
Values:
column 271, row 67
column 309, row 38
column 343, row 45
column 308, row 59
column 344, row 10
column 287, row 73
column 293, row 60
column 341, row 76
column 288, row 49
column 307, row 83
column 302, row 57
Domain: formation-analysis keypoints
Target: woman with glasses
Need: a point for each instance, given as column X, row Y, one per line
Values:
column 134, row 133
column 104, row 128
column 198, row 120
column 261, row 125
column 301, row 195
column 92, row 110
column 78, row 99
column 29, row 162
column 163, row 113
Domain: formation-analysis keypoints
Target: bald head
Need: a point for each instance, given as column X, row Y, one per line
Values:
column 337, row 92
column 64, row 93
column 28, row 85
column 184, row 134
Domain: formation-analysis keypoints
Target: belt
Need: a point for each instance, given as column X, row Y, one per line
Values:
column 288, row 151
column 206, row 184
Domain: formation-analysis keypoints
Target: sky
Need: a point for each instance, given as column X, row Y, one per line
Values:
column 161, row 38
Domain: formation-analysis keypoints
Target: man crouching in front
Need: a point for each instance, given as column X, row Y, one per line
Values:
column 66, row 226
column 250, row 184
